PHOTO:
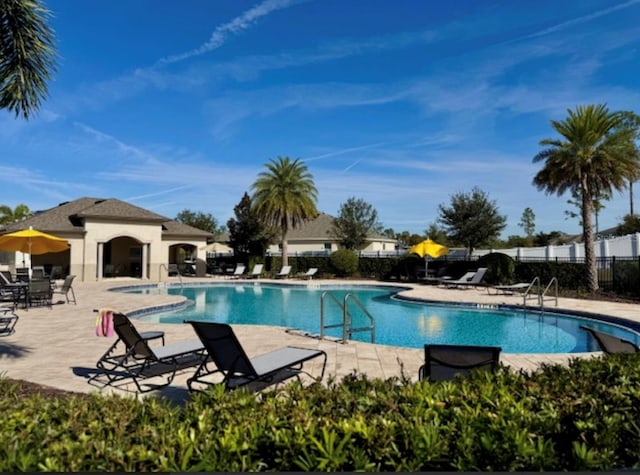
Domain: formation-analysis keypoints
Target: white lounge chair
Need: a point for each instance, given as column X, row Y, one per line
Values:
column 284, row 272
column 256, row 272
column 466, row 281
column 237, row 273
column 309, row 274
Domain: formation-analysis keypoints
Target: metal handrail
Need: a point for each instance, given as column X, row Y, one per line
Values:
column 551, row 282
column 371, row 328
column 347, row 329
column 167, row 269
column 525, row 295
column 322, row 325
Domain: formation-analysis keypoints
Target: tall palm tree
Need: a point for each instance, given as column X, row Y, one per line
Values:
column 27, row 53
column 593, row 157
column 285, row 197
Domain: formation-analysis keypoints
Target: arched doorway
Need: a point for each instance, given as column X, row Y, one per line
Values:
column 122, row 257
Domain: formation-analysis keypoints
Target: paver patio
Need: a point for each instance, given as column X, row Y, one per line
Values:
column 58, row 346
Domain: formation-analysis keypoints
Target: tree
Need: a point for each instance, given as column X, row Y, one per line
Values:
column 472, row 219
column 547, row 239
column 200, row 220
column 356, row 220
column 247, row 234
column 594, row 157
column 285, row 197
column 527, row 223
column 437, row 234
column 8, row 215
column 630, row 225
column 27, row 55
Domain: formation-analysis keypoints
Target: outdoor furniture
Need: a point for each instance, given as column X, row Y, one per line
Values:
column 284, row 272
column 470, row 279
column 234, row 368
column 309, row 274
column 508, row 289
column 66, row 287
column 8, row 321
column 611, row 343
column 237, row 273
column 256, row 271
column 173, row 270
column 132, row 358
column 37, row 272
column 444, row 362
column 40, row 292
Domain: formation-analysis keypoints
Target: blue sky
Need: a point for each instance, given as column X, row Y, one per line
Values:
column 178, row 105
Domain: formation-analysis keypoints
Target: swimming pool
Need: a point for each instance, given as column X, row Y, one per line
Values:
column 397, row 322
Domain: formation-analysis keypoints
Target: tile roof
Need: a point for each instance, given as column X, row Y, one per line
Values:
column 68, row 217
column 320, row 227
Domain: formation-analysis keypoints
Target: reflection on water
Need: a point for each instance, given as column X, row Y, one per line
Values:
column 397, row 323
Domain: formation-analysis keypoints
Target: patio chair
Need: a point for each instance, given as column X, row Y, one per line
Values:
column 173, row 270
column 256, row 272
column 132, row 358
column 467, row 280
column 37, row 272
column 309, row 274
column 611, row 343
column 40, row 292
column 234, row 369
column 284, row 272
column 508, row 289
column 56, row 272
column 444, row 362
column 8, row 321
column 65, row 288
column 237, row 273
column 5, row 278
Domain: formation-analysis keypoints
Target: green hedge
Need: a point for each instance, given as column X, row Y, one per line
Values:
column 581, row 417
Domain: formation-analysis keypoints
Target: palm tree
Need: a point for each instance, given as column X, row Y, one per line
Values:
column 285, row 197
column 8, row 215
column 27, row 53
column 593, row 157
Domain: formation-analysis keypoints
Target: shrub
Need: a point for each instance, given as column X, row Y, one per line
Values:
column 562, row 418
column 344, row 262
column 500, row 268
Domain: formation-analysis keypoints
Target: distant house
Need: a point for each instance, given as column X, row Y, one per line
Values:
column 315, row 237
column 111, row 238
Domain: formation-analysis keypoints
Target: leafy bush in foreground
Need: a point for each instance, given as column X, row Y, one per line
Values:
column 581, row 417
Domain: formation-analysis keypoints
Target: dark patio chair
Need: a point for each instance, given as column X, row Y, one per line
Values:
column 444, row 362
column 235, row 369
column 131, row 358
column 611, row 343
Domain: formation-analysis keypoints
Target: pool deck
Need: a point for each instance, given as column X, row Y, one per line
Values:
column 58, row 347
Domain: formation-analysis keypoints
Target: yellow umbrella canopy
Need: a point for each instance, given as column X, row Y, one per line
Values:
column 32, row 241
column 429, row 248
column 217, row 247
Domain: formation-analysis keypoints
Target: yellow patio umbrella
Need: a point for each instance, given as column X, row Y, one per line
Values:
column 31, row 241
column 428, row 248
column 217, row 247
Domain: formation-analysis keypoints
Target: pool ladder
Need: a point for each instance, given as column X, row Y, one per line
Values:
column 347, row 319
column 540, row 296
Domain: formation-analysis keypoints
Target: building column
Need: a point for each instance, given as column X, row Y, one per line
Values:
column 99, row 268
column 145, row 261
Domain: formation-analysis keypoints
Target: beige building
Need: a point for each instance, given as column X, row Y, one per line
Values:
column 314, row 237
column 111, row 238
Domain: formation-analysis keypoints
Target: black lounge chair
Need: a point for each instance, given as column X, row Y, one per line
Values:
column 8, row 321
column 444, row 362
column 611, row 343
column 236, row 369
column 137, row 360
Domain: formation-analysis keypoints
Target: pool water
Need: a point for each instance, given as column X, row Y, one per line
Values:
column 398, row 323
